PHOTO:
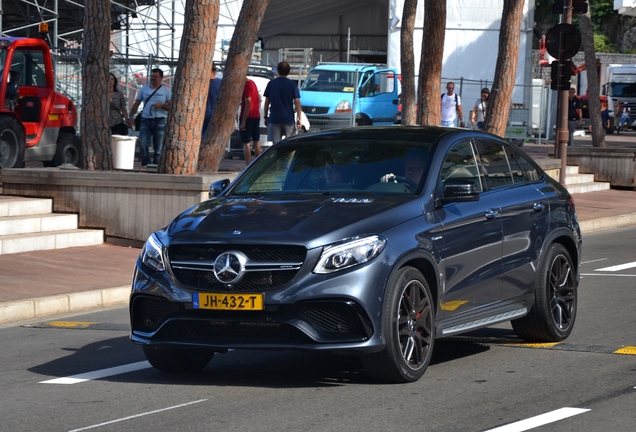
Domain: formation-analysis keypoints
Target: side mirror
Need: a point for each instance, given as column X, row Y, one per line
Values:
column 218, row 186
column 459, row 192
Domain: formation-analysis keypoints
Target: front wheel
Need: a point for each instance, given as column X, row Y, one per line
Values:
column 408, row 328
column 68, row 150
column 555, row 299
column 178, row 360
column 12, row 143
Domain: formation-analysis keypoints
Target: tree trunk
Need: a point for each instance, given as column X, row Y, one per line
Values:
column 429, row 88
column 238, row 59
column 190, row 89
column 593, row 85
column 506, row 70
column 94, row 127
column 407, row 62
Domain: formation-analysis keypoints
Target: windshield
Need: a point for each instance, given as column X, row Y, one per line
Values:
column 330, row 81
column 622, row 90
column 336, row 166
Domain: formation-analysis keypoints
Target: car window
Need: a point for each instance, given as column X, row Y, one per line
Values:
column 517, row 173
column 325, row 167
column 460, row 166
column 495, row 164
column 529, row 169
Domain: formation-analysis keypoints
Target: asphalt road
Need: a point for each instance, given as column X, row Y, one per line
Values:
column 58, row 376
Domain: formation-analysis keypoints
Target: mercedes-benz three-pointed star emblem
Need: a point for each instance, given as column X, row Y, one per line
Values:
column 229, row 267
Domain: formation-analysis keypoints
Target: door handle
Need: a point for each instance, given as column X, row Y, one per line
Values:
column 538, row 206
column 492, row 213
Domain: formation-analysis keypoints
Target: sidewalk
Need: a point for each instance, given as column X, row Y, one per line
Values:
column 46, row 283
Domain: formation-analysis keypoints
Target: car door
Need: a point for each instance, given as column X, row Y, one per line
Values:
column 382, row 105
column 472, row 237
column 524, row 215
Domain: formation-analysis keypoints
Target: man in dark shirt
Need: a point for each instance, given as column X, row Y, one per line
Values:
column 575, row 117
column 213, row 92
column 283, row 95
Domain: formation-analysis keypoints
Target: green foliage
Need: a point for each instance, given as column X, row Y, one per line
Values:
column 602, row 44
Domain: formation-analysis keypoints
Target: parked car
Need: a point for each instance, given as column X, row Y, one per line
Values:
column 372, row 241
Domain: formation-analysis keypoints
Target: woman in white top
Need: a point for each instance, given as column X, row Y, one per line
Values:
column 478, row 113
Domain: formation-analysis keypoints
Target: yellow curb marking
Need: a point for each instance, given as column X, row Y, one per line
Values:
column 70, row 324
column 533, row 345
column 630, row 350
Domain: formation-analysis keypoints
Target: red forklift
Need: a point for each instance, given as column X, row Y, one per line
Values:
column 36, row 122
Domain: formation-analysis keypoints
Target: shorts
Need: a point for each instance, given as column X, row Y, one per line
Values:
column 252, row 131
column 276, row 132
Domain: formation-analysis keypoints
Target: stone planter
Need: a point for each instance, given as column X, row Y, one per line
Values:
column 128, row 205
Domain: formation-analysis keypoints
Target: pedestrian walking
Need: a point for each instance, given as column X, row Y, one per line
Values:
column 117, row 110
column 478, row 114
column 283, row 95
column 213, row 92
column 156, row 98
column 451, row 107
column 250, row 120
column 575, row 116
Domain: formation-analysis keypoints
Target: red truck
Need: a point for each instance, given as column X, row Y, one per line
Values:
column 36, row 122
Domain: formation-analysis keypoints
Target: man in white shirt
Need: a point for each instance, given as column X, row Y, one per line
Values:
column 451, row 107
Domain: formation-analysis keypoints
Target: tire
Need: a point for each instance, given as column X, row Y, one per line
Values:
column 408, row 329
column 12, row 143
column 177, row 360
column 552, row 317
column 68, row 150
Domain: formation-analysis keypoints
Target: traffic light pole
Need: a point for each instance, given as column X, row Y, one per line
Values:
column 561, row 149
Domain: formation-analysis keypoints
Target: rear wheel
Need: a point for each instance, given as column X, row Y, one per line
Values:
column 552, row 316
column 11, row 143
column 171, row 359
column 408, row 327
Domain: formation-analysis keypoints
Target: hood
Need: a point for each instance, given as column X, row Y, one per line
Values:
column 313, row 221
column 324, row 99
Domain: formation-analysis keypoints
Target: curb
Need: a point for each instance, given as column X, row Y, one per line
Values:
column 62, row 304
column 607, row 223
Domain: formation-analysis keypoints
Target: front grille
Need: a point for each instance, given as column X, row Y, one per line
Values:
column 231, row 332
column 269, row 267
column 315, row 110
column 304, row 323
column 323, row 122
column 255, row 281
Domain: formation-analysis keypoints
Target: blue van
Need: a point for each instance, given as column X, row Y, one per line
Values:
column 336, row 95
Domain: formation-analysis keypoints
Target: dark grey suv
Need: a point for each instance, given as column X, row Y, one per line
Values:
column 371, row 241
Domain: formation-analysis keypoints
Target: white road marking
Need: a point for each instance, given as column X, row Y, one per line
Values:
column 591, row 261
column 613, row 275
column 88, row 376
column 540, row 420
column 138, row 415
column 617, row 267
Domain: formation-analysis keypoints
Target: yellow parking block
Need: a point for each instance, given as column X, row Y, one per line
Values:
column 69, row 324
column 630, row 350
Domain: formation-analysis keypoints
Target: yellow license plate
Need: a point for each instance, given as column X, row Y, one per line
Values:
column 227, row 301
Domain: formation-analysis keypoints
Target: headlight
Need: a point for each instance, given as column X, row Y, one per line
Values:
column 343, row 106
column 349, row 253
column 151, row 254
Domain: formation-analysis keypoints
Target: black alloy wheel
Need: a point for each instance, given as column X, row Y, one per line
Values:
column 552, row 317
column 408, row 325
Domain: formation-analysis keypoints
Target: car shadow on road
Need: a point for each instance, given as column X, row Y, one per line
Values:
column 249, row 368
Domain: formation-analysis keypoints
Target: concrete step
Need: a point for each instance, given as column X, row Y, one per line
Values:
column 17, row 243
column 571, row 169
column 587, row 187
column 37, row 223
column 19, row 206
column 579, row 178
